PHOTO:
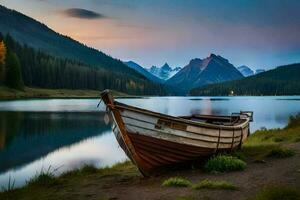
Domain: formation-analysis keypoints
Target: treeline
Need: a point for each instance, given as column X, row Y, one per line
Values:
column 284, row 80
column 45, row 71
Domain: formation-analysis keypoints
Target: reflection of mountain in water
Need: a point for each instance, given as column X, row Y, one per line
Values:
column 27, row 136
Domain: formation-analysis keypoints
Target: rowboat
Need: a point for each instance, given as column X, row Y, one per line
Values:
column 153, row 140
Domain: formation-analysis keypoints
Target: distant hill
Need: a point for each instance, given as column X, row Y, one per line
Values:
column 213, row 69
column 164, row 72
column 283, row 80
column 51, row 60
column 246, row 71
column 143, row 71
column 26, row 30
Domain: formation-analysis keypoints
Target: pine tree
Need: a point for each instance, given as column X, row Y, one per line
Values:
column 13, row 71
column 2, row 61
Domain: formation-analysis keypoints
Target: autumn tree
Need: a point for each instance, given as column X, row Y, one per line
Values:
column 2, row 61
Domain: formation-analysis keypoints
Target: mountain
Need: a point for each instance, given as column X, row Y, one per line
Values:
column 259, row 71
column 164, row 72
column 246, row 71
column 143, row 71
column 26, row 30
column 213, row 69
column 283, row 80
column 51, row 60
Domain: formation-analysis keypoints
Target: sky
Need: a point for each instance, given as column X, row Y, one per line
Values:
column 257, row 33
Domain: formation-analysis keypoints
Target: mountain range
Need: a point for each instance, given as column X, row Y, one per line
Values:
column 51, row 60
column 143, row 71
column 164, row 72
column 199, row 72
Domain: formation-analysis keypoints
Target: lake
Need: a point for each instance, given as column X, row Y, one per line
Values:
column 65, row 134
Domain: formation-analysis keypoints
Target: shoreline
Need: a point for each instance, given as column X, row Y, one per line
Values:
column 41, row 93
column 272, row 157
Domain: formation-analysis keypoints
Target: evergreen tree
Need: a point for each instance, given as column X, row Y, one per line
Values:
column 13, row 71
column 2, row 61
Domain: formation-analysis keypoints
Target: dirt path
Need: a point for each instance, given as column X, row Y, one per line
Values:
column 257, row 175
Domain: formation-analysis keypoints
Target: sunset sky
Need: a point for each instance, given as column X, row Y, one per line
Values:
column 256, row 33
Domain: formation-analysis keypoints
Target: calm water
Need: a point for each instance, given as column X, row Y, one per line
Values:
column 69, row 133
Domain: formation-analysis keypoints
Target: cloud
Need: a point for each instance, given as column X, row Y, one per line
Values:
column 82, row 13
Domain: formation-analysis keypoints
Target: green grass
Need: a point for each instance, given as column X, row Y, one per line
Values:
column 176, row 182
column 8, row 93
column 278, row 193
column 85, row 170
column 265, row 142
column 44, row 178
column 44, row 185
column 214, row 185
column 224, row 163
column 281, row 152
column 118, row 169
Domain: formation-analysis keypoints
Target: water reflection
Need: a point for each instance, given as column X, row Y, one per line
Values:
column 26, row 136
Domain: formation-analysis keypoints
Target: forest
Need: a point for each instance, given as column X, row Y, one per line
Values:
column 21, row 65
column 283, row 80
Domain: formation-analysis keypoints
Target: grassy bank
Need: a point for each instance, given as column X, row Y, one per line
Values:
column 273, row 142
column 8, row 93
column 46, row 186
column 238, row 174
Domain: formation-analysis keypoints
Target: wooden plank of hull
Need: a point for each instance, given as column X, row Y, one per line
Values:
column 159, row 153
column 140, row 124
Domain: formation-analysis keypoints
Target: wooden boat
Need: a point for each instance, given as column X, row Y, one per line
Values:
column 153, row 140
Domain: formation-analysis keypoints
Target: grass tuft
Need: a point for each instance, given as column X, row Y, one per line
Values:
column 278, row 193
column 176, row 182
column 209, row 184
column 281, row 152
column 224, row 163
column 44, row 178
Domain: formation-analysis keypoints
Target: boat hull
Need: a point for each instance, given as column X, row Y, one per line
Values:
column 153, row 140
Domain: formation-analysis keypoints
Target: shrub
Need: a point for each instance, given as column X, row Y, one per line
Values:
column 224, row 163
column 278, row 193
column 281, row 152
column 208, row 184
column 176, row 182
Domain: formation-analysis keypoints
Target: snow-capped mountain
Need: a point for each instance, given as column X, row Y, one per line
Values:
column 164, row 72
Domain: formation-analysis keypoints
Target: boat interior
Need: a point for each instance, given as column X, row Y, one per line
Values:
column 216, row 120
column 234, row 119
